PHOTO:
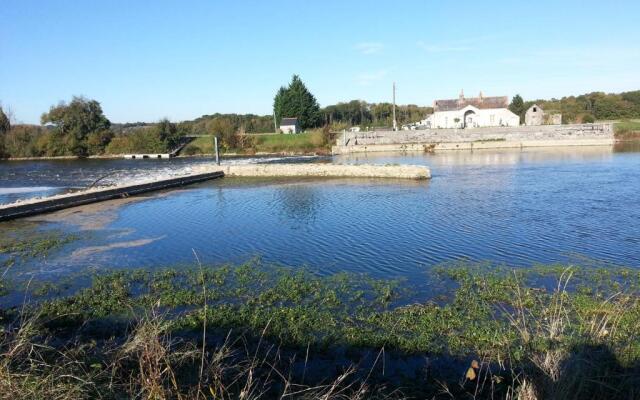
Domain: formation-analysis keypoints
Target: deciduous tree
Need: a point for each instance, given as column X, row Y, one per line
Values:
column 75, row 121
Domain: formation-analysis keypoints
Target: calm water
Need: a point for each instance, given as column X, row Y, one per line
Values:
column 512, row 207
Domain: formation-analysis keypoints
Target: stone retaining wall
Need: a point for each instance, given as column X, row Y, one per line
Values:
column 476, row 138
column 519, row 133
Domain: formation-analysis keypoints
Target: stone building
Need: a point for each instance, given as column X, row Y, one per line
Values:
column 474, row 112
column 554, row 119
column 289, row 125
column 534, row 115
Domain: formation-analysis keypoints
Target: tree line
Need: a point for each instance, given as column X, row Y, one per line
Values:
column 585, row 108
column 295, row 100
column 80, row 128
column 363, row 114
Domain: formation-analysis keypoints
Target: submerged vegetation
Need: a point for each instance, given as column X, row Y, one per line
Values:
column 260, row 331
column 21, row 245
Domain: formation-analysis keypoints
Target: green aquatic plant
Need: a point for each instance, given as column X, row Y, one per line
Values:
column 24, row 244
column 532, row 332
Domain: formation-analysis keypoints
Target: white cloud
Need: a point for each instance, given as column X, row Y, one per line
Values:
column 368, row 48
column 368, row 78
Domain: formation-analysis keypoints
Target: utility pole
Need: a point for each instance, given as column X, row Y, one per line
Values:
column 395, row 124
column 275, row 124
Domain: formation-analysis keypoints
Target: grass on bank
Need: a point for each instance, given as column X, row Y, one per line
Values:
column 258, row 331
column 302, row 143
column 627, row 130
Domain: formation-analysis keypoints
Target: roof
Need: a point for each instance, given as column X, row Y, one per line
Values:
column 478, row 102
column 536, row 106
column 288, row 121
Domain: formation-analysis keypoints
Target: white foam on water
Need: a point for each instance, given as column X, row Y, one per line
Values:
column 131, row 177
column 29, row 189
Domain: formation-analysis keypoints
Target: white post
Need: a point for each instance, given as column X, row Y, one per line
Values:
column 395, row 124
column 215, row 144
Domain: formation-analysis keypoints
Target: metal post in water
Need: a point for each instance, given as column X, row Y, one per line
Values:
column 215, row 144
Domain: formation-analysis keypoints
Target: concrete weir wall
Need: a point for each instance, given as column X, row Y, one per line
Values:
column 38, row 206
column 329, row 170
column 476, row 138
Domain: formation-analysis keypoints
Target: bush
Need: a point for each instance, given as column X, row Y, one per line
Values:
column 145, row 140
column 588, row 119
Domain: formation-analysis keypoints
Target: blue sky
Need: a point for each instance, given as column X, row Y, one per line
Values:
column 145, row 60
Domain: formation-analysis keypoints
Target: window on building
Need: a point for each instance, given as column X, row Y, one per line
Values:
column 535, row 109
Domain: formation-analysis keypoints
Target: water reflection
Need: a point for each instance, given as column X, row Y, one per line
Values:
column 298, row 202
column 491, row 157
column 627, row 147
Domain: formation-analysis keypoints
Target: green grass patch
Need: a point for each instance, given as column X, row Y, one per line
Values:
column 302, row 143
column 201, row 145
column 627, row 130
column 288, row 143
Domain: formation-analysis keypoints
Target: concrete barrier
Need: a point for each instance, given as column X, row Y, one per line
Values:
column 145, row 156
column 38, row 206
column 328, row 170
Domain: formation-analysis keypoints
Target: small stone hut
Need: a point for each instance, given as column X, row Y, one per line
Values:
column 534, row 115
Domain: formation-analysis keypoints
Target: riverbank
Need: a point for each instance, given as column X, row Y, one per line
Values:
column 544, row 332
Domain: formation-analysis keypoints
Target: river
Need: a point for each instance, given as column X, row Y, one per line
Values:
column 519, row 208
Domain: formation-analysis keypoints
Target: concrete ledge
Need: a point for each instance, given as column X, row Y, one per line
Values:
column 59, row 202
column 146, row 156
column 329, row 170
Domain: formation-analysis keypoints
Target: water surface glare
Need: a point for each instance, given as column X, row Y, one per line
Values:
column 512, row 207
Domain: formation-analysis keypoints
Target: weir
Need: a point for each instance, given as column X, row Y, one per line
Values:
column 39, row 206
column 32, row 207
